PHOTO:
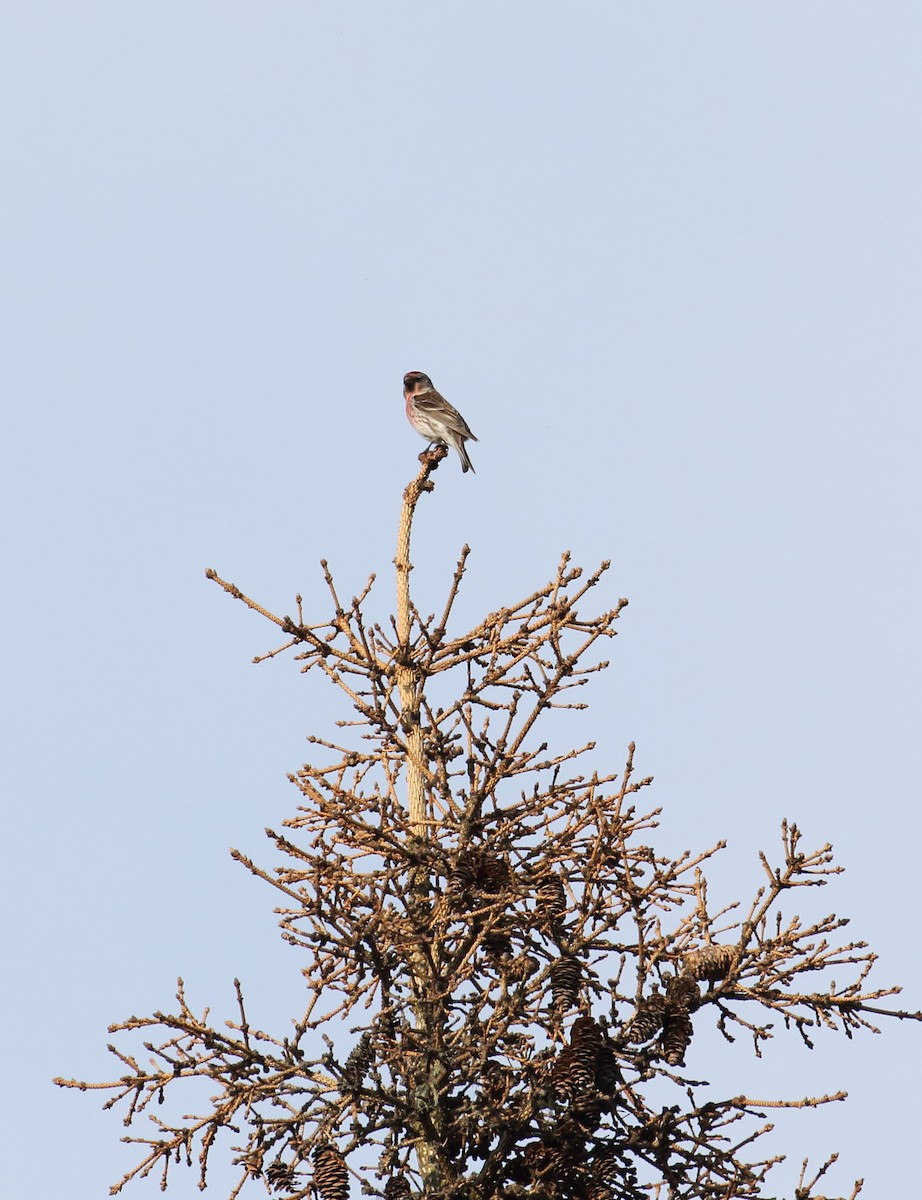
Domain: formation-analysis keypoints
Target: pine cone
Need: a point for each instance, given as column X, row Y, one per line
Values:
column 331, row 1178
column 592, row 1053
column 463, row 875
column 497, row 944
column 607, row 1073
column 397, row 1188
column 606, row 1167
column 550, row 896
column 565, row 977
column 561, row 1075
column 279, row 1175
column 494, row 874
column 571, row 1076
column 676, row 1036
column 648, row 1018
column 585, row 1044
column 358, row 1062
column 545, row 1159
column 711, row 962
column 682, row 992
column 585, row 1032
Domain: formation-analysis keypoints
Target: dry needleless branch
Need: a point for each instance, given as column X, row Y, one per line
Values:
column 502, row 973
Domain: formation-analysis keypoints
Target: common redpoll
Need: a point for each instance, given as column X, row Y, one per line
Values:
column 434, row 418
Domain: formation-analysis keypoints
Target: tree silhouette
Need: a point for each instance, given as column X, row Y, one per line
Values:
column 504, row 978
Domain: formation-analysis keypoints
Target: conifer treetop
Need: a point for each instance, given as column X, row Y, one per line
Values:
column 504, row 979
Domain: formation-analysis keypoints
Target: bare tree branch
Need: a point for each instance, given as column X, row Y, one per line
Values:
column 504, row 977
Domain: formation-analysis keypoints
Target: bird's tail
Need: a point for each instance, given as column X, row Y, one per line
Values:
column 466, row 464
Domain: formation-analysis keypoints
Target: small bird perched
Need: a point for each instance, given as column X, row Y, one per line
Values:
column 434, row 418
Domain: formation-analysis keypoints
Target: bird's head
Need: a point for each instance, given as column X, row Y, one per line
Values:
column 416, row 381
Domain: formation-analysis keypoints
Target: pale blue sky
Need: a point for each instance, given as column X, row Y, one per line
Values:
column 667, row 261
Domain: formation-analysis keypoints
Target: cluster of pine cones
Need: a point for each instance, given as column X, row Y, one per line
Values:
column 581, row 1081
column 669, row 1015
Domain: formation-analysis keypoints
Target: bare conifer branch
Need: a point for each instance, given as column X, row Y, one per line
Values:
column 504, row 977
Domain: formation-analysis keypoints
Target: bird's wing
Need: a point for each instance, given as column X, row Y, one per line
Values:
column 432, row 403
